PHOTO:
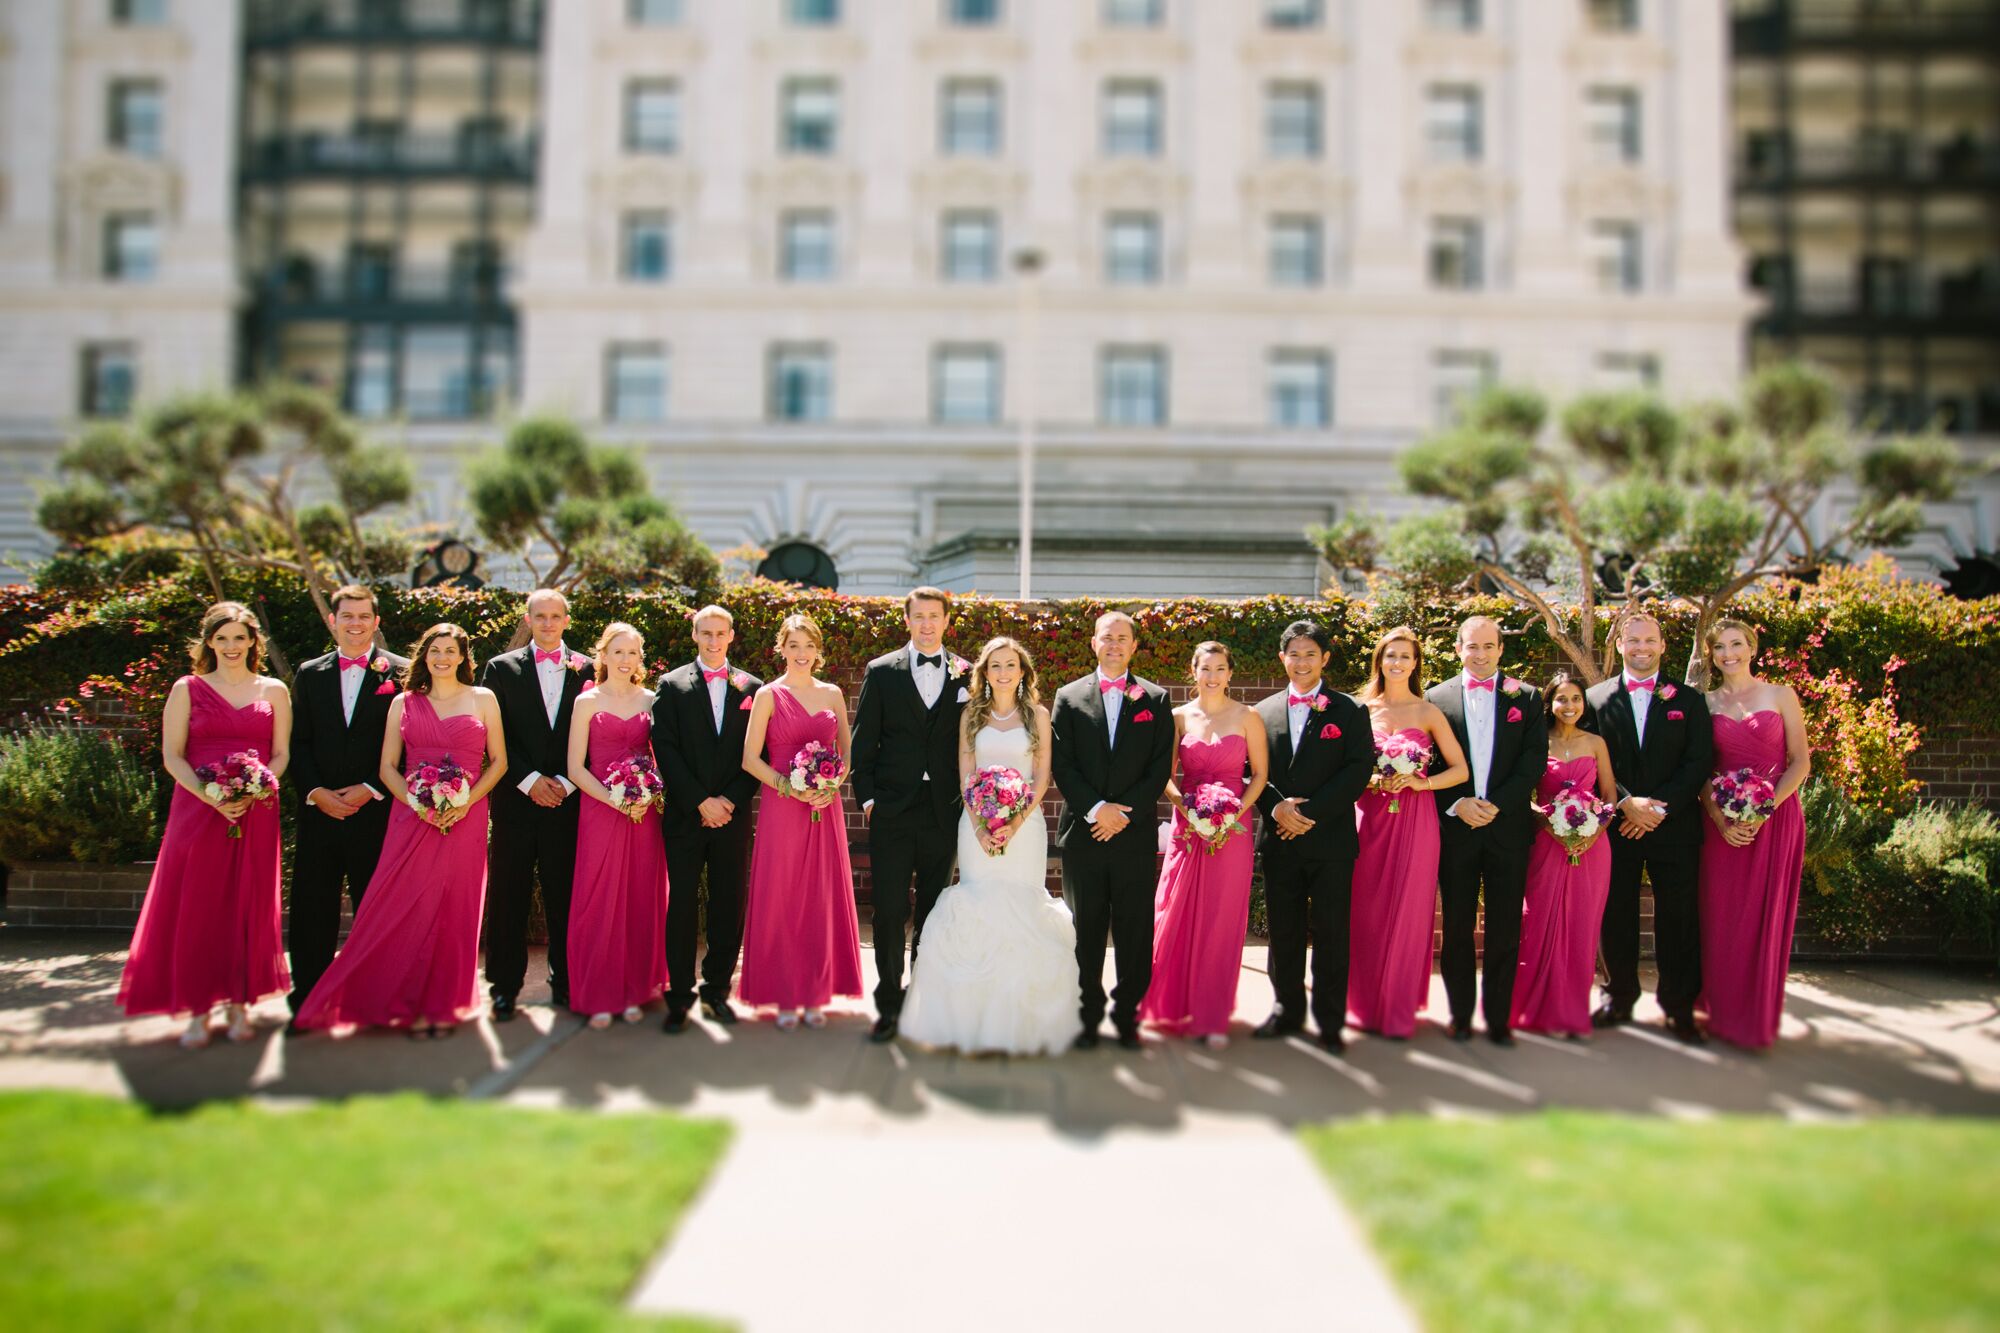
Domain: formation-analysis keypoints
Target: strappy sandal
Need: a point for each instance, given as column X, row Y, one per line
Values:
column 634, row 1014
column 599, row 1022
column 787, row 1022
column 815, row 1018
column 195, row 1035
column 240, row 1029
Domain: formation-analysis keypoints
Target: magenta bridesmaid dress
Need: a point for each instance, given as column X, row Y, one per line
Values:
column 1564, row 910
column 1750, row 895
column 801, row 939
column 209, row 931
column 1202, row 907
column 413, row 955
column 1394, row 909
column 618, row 907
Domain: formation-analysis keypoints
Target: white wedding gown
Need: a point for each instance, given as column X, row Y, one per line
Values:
column 996, row 968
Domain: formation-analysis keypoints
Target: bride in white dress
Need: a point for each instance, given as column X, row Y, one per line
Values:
column 996, row 968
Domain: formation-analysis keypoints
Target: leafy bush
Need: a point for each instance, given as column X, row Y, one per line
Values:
column 1949, row 855
column 67, row 794
column 1845, row 898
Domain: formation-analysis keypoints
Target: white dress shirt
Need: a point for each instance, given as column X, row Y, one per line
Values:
column 549, row 675
column 350, row 694
column 718, row 690
column 1480, row 710
column 1114, row 704
column 1642, row 701
column 1299, row 711
column 929, row 678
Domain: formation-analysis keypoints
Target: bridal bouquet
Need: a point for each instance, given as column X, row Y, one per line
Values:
column 1575, row 815
column 816, row 767
column 1400, row 755
column 1745, row 797
column 634, row 784
column 1214, row 814
column 240, row 777
column 440, row 784
column 997, row 794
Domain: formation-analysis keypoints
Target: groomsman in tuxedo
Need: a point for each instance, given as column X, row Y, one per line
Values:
column 906, row 778
column 1111, row 755
column 1322, row 752
column 698, row 724
column 1485, row 826
column 1662, row 746
column 535, row 806
column 340, row 708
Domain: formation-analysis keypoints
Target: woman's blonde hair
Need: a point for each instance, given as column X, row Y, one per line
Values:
column 1715, row 633
column 612, row 631
column 1377, row 682
column 979, row 694
column 202, row 654
column 800, row 623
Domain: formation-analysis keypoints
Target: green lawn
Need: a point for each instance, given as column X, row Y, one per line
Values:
column 390, row 1212
column 1568, row 1221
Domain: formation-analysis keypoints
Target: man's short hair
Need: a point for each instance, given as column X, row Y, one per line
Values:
column 928, row 594
column 711, row 612
column 1305, row 629
column 354, row 592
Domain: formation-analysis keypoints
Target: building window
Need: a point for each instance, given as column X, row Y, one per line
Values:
column 801, row 563
column 805, row 248
column 1294, row 13
column 635, row 382
column 1614, row 15
column 811, row 117
column 1134, row 13
column 971, row 118
column 966, row 386
column 1292, row 120
column 971, row 246
column 1452, row 123
column 371, row 373
column 1612, row 116
column 135, row 117
column 1297, row 252
column 1457, row 254
column 1132, row 119
column 801, row 383
column 439, row 375
column 1627, row 372
column 1452, row 15
column 972, row 13
column 110, row 379
column 1134, row 388
column 653, row 13
column 131, row 247
column 652, row 117
column 1132, row 249
column 1615, row 256
column 648, row 248
column 1301, row 390
column 813, row 13
column 139, row 13
column 1456, row 379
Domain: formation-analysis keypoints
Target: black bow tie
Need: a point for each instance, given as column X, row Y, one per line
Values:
column 932, row 659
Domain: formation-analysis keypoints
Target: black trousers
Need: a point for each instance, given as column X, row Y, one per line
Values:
column 329, row 851
column 1111, row 891
column 724, row 854
column 530, row 843
column 1301, row 892
column 1674, row 868
column 1465, row 865
column 912, row 844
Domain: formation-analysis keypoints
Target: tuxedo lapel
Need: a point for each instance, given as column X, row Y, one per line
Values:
column 1451, row 702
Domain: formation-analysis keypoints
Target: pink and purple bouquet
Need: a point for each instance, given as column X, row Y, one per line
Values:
column 634, row 783
column 240, row 777
column 1575, row 815
column 1400, row 755
column 440, row 784
column 1214, row 814
column 816, row 767
column 996, row 795
column 1745, row 797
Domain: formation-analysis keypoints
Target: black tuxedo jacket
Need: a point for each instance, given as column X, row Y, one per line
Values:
column 533, row 746
column 1088, row 768
column 897, row 740
column 1327, row 774
column 1520, row 753
column 695, row 761
column 327, row 749
column 1673, row 763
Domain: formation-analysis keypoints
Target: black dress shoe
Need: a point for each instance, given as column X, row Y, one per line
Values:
column 1334, row 1042
column 1500, row 1036
column 1610, row 1016
column 1461, row 1029
column 1277, row 1025
column 718, row 1011
column 1128, row 1038
column 677, row 1021
column 884, row 1030
column 503, row 1008
column 1086, row 1040
column 1684, row 1030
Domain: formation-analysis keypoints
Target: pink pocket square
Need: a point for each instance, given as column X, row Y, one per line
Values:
column 1143, row 715
column 1676, row 715
column 386, row 687
column 1513, row 715
column 744, row 707
column 1329, row 732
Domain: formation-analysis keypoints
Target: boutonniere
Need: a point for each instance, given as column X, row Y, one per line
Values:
column 1668, row 691
column 740, row 682
column 1512, row 688
column 1330, row 732
column 1320, row 701
column 577, row 661
column 386, row 687
column 1513, row 715
column 1675, row 715
column 957, row 667
column 1143, row 715
column 1135, row 693
column 380, row 666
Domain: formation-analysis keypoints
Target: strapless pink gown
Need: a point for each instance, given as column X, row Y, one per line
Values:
column 801, row 939
column 209, row 931
column 618, row 906
column 1394, row 909
column 1202, row 907
column 1564, row 911
column 1750, row 895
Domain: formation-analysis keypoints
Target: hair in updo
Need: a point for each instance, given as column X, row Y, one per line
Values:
column 1203, row 649
column 798, row 622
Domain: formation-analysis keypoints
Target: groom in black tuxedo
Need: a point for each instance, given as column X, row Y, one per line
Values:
column 1322, row 752
column 1485, row 827
column 906, row 778
column 699, row 720
column 535, row 807
column 1111, row 755
column 340, row 709
column 1662, row 746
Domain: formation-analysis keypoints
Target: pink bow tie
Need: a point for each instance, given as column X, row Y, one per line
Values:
column 720, row 673
column 1111, row 686
column 1632, row 685
column 350, row 663
column 548, row 655
column 1304, row 700
column 1486, row 684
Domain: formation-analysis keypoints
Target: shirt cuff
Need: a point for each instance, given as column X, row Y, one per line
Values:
column 372, row 793
column 568, row 787
column 1452, row 809
column 868, row 804
column 1091, row 818
column 527, row 784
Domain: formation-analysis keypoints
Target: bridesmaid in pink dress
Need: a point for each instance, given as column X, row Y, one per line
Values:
column 412, row 959
column 209, row 931
column 1565, row 903
column 801, row 939
column 1750, row 873
column 618, row 907
column 1396, row 871
column 1202, row 907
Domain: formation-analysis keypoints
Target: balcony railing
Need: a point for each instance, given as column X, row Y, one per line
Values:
column 486, row 156
column 1953, row 164
column 516, row 23
column 1781, row 26
column 1953, row 305
column 300, row 290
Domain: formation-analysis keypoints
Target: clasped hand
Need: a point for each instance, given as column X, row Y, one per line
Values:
column 1111, row 821
column 1640, row 815
column 1291, row 824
